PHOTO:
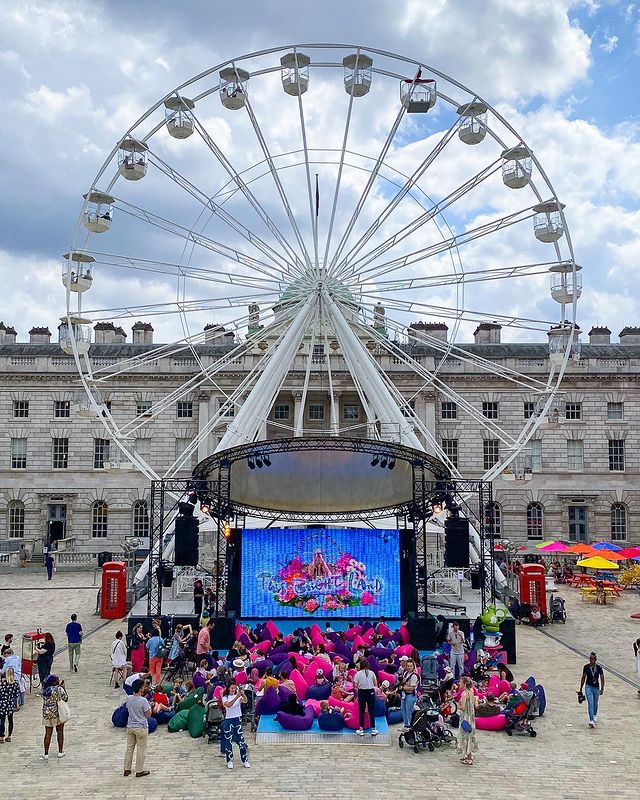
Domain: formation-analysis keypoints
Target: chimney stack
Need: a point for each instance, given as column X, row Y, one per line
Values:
column 629, row 335
column 599, row 335
column 105, row 333
column 487, row 333
column 39, row 336
column 436, row 330
column 142, row 333
column 213, row 334
column 119, row 336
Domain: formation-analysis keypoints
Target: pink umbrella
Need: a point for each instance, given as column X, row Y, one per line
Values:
column 553, row 547
column 630, row 552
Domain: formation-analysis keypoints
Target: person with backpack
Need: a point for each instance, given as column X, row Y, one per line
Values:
column 408, row 684
column 157, row 650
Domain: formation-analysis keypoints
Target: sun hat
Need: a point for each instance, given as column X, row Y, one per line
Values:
column 238, row 663
column 385, row 684
column 404, row 658
column 319, row 672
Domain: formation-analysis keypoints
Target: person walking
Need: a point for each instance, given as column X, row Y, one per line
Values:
column 139, row 711
column 74, row 639
column 23, row 555
column 233, row 697
column 154, row 644
column 636, row 653
column 49, row 564
column 456, row 658
column 408, row 684
column 593, row 683
column 9, row 695
column 45, row 653
column 365, row 682
column 53, row 715
column 118, row 659
column 467, row 705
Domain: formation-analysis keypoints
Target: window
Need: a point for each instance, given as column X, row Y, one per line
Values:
column 351, row 412
column 409, row 409
column 99, row 515
column 181, row 446
column 493, row 519
column 230, row 410
column 100, row 452
column 490, row 410
column 448, row 410
column 616, row 455
column 21, row 409
column 573, row 410
column 578, row 523
column 281, row 411
column 18, row 454
column 142, row 447
column 60, row 453
column 535, row 450
column 316, row 411
column 615, row 411
column 491, row 453
column 61, row 408
column 143, row 407
column 15, row 519
column 184, row 409
column 575, row 455
column 535, row 521
column 317, row 356
column 618, row 523
column 450, row 449
column 140, row 519
column 529, row 409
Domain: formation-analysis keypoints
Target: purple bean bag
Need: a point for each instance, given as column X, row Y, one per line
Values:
column 199, row 680
column 381, row 652
column 394, row 716
column 269, row 703
column 283, row 693
column 245, row 640
column 293, row 722
column 279, row 649
column 261, row 666
column 315, row 692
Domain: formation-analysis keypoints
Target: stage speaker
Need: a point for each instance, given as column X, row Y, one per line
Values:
column 186, row 538
column 165, row 575
column 222, row 633
column 104, row 557
column 508, row 640
column 456, row 542
column 408, row 588
column 422, row 631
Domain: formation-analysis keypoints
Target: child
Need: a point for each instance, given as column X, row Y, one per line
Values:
column 178, row 691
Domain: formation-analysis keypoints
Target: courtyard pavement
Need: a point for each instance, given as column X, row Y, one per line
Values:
column 567, row 760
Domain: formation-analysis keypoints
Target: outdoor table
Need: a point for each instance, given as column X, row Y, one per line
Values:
column 601, row 594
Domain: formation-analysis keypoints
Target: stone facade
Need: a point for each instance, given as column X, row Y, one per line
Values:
column 42, row 406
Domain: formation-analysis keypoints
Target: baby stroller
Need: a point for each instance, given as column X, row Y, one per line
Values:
column 437, row 728
column 519, row 719
column 557, row 610
column 249, row 708
column 420, row 736
column 213, row 721
column 429, row 676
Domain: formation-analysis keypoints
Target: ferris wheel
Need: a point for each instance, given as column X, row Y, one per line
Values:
column 302, row 207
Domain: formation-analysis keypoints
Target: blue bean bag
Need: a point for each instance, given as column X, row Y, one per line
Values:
column 152, row 722
column 120, row 717
column 315, row 692
column 542, row 699
column 127, row 689
column 394, row 716
column 381, row 652
column 163, row 717
column 380, row 709
column 330, row 721
column 293, row 722
column 269, row 703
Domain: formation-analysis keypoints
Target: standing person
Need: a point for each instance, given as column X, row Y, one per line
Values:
column 49, row 564
column 408, row 685
column 137, row 650
column 52, row 694
column 467, row 704
column 23, row 555
column 74, row 638
column 137, row 730
column 636, row 653
column 203, row 645
column 231, row 731
column 155, row 658
column 198, row 596
column 365, row 682
column 456, row 640
column 45, row 653
column 593, row 677
column 118, row 659
column 9, row 694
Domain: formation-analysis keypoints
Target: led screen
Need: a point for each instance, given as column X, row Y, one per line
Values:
column 339, row 572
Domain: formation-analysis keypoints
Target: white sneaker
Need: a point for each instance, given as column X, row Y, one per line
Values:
column 592, row 724
column 44, row 758
column 595, row 719
column 229, row 764
column 374, row 731
column 360, row 732
column 246, row 764
column 62, row 754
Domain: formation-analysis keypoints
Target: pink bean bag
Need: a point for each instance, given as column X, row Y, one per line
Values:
column 315, row 628
column 382, row 629
column 404, row 650
column 350, row 674
column 272, row 628
column 217, row 692
column 368, row 636
column 504, row 686
column 238, row 631
column 404, row 635
column 386, row 676
column 325, row 666
column 494, row 683
column 300, row 683
column 264, row 647
column 301, row 661
column 315, row 705
column 350, row 634
column 335, row 703
column 358, row 640
column 496, row 723
column 241, row 678
column 352, row 719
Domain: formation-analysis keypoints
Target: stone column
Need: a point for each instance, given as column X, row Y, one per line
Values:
column 203, row 419
column 428, row 416
column 297, row 410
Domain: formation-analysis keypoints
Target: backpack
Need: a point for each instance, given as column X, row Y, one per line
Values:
column 163, row 649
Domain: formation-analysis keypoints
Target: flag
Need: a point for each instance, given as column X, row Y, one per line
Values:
column 317, row 197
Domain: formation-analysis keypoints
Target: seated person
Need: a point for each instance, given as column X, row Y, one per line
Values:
column 292, row 706
column 203, row 669
column 320, row 652
column 535, row 617
column 288, row 684
column 329, row 711
column 479, row 671
column 339, row 668
column 339, row 691
column 145, row 677
column 178, row 692
column 267, row 681
column 160, row 700
column 489, row 708
column 392, row 696
column 320, row 678
column 504, row 697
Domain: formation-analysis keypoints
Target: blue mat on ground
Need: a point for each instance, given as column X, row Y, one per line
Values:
column 268, row 724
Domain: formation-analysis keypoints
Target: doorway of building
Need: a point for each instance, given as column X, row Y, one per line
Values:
column 56, row 522
column 578, row 528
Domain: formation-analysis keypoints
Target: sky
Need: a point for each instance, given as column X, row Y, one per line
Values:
column 75, row 76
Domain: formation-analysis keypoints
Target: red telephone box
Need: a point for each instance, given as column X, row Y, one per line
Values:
column 533, row 586
column 29, row 656
column 113, row 597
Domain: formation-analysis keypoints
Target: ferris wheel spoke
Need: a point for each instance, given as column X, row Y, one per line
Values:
column 400, row 195
column 220, row 212
column 292, row 256
column 431, row 213
column 456, row 241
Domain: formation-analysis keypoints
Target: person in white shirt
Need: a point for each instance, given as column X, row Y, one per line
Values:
column 456, row 640
column 231, row 731
column 118, row 659
column 365, row 681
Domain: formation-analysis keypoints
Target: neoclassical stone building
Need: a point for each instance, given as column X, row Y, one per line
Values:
column 579, row 481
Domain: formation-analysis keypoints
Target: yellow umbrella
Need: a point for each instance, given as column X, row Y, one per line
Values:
column 597, row 562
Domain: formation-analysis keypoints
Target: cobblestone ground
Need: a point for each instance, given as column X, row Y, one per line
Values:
column 567, row 761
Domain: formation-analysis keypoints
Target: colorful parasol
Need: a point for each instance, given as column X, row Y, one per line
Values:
column 597, row 562
column 630, row 552
column 545, row 543
column 606, row 546
column 581, row 548
column 553, row 547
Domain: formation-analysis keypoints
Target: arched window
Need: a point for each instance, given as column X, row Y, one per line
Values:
column 15, row 519
column 493, row 515
column 618, row 523
column 99, row 516
column 535, row 521
column 140, row 519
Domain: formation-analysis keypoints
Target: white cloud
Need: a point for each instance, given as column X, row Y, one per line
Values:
column 609, row 45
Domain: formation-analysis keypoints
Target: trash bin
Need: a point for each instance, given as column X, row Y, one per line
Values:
column 104, row 557
column 474, row 576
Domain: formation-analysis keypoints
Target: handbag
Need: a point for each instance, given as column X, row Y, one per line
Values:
column 64, row 712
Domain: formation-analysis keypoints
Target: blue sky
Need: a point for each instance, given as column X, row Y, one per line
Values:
column 74, row 75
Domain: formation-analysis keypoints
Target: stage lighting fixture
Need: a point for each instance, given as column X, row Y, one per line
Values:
column 185, row 509
column 193, row 498
column 205, row 505
column 266, row 460
column 251, row 463
column 375, row 461
column 259, row 461
column 391, row 464
column 383, row 462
